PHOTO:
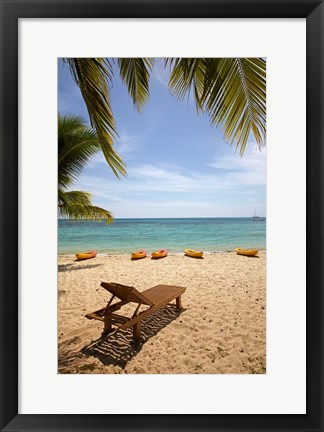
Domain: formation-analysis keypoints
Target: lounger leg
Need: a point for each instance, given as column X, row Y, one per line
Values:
column 137, row 330
column 178, row 302
column 107, row 325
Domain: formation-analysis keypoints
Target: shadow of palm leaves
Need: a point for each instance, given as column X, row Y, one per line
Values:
column 119, row 348
column 69, row 267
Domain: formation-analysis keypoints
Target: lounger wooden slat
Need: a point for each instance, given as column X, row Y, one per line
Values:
column 163, row 293
column 118, row 319
column 155, row 297
column 126, row 293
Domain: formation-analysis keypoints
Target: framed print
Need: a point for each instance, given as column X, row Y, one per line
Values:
column 242, row 345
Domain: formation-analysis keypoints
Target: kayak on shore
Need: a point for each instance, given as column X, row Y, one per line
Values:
column 246, row 252
column 86, row 255
column 193, row 253
column 159, row 254
column 139, row 254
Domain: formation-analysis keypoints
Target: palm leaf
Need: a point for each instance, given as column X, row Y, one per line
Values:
column 77, row 144
column 93, row 76
column 231, row 90
column 74, row 197
column 135, row 73
column 85, row 212
column 68, row 125
column 77, row 205
column 187, row 75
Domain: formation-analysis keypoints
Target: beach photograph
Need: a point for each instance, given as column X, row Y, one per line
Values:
column 161, row 216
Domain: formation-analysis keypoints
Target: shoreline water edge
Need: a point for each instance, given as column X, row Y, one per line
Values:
column 170, row 254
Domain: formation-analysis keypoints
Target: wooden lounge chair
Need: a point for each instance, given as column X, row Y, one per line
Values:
column 155, row 298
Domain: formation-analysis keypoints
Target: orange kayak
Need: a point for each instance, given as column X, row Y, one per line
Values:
column 139, row 254
column 86, row 255
column 159, row 254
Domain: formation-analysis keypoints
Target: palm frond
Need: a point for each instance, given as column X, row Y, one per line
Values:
column 92, row 75
column 70, row 123
column 231, row 90
column 74, row 197
column 77, row 144
column 77, row 205
column 187, row 75
column 135, row 73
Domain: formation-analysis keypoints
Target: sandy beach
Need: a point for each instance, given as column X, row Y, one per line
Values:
column 221, row 329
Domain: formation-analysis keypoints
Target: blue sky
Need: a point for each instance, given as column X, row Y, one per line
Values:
column 178, row 165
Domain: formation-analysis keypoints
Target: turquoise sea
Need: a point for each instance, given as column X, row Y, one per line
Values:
column 129, row 235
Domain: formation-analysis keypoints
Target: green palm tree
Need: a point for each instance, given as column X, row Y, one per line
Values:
column 232, row 91
column 94, row 77
column 76, row 144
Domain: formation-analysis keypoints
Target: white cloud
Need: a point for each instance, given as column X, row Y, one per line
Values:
column 126, row 144
column 148, row 178
column 250, row 169
column 236, row 188
column 176, row 208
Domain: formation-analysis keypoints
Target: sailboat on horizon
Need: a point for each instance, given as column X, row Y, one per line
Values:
column 256, row 217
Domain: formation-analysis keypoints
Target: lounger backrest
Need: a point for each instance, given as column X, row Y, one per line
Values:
column 126, row 293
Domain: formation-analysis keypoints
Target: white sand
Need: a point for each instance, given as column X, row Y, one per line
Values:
column 221, row 330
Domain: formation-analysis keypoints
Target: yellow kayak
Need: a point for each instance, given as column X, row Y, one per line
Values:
column 86, row 255
column 193, row 253
column 246, row 252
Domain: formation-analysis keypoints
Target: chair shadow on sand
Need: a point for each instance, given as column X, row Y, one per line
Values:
column 119, row 348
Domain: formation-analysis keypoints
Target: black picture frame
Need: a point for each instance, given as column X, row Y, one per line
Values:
column 11, row 11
